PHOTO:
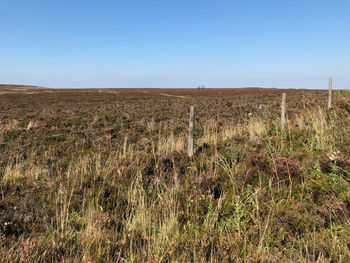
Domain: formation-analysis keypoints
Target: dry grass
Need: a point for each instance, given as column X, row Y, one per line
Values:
column 251, row 193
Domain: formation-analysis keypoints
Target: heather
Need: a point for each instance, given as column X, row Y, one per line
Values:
column 102, row 175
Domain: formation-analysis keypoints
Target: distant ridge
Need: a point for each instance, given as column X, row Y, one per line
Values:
column 15, row 87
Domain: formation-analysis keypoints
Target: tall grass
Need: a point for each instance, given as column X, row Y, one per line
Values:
column 251, row 193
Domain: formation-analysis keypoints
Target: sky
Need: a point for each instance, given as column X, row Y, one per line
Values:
column 175, row 44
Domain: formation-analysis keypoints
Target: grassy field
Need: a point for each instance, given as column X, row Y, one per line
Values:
column 102, row 175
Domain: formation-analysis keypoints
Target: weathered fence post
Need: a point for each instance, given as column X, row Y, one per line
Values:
column 330, row 94
column 283, row 110
column 191, row 133
column 125, row 145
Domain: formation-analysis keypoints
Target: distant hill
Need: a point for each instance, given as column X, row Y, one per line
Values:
column 10, row 87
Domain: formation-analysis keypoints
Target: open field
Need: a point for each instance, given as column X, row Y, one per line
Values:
column 102, row 175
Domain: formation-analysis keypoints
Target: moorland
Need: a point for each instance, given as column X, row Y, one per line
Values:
column 103, row 175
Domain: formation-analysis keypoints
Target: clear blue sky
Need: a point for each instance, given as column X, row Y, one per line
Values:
column 175, row 43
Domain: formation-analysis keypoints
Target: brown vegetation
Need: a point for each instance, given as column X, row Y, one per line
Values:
column 99, row 175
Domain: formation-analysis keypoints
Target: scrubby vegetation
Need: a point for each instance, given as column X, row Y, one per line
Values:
column 103, row 176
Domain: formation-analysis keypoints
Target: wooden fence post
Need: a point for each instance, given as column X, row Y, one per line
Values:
column 191, row 133
column 330, row 94
column 283, row 110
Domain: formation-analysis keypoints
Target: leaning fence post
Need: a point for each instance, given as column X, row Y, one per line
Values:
column 330, row 94
column 191, row 133
column 283, row 110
